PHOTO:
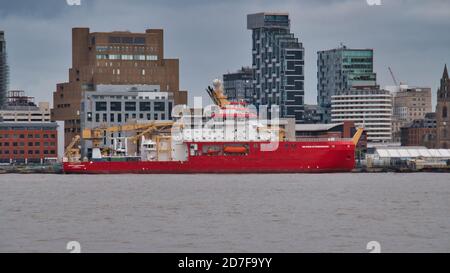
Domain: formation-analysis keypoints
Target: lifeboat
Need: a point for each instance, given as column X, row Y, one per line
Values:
column 235, row 149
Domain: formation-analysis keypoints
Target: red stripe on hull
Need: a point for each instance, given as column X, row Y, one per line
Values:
column 290, row 157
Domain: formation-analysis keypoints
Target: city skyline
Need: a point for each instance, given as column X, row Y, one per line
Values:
column 209, row 43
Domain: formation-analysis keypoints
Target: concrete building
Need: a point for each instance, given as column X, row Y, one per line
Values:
column 370, row 108
column 278, row 64
column 4, row 71
column 238, row 86
column 111, row 105
column 113, row 58
column 342, row 69
column 409, row 104
column 420, row 132
column 21, row 108
column 442, row 112
column 28, row 142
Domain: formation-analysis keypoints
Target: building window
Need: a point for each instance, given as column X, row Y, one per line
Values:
column 116, row 106
column 444, row 112
column 130, row 106
column 100, row 106
column 111, row 118
column 145, row 106
column 119, row 117
column 159, row 106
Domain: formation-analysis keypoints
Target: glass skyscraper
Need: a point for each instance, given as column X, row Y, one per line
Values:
column 278, row 64
column 342, row 69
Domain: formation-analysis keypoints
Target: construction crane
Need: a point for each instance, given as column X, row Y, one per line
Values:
column 71, row 151
column 393, row 77
column 216, row 94
column 96, row 135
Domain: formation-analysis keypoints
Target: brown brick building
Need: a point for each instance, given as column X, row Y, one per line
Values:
column 442, row 112
column 421, row 132
column 29, row 142
column 113, row 58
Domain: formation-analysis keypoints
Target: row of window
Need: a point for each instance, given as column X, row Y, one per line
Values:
column 127, row 57
column 118, row 117
column 27, row 135
column 116, row 106
column 126, row 40
column 30, row 144
column 121, row 48
column 30, row 152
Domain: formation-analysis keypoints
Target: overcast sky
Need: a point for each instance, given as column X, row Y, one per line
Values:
column 210, row 37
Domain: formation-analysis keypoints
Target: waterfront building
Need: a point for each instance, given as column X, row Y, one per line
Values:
column 21, row 108
column 238, row 86
column 369, row 108
column 342, row 69
column 409, row 104
column 113, row 105
column 4, row 72
column 28, row 142
column 408, row 158
column 113, row 58
column 420, row 132
column 442, row 112
column 278, row 64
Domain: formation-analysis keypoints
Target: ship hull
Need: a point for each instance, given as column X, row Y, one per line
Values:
column 288, row 157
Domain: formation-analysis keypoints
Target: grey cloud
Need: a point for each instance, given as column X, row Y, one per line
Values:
column 210, row 37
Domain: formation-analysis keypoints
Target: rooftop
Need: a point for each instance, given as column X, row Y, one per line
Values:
column 413, row 152
column 316, row 127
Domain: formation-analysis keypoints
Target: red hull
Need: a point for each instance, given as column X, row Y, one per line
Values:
column 290, row 157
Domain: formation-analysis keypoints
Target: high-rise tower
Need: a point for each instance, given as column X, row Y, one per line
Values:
column 278, row 64
column 342, row 69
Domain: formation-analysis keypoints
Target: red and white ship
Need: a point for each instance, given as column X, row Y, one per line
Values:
column 232, row 140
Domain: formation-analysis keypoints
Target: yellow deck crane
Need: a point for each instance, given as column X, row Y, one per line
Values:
column 97, row 135
column 71, row 152
column 216, row 94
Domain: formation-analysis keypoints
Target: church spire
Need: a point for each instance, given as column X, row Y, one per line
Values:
column 445, row 75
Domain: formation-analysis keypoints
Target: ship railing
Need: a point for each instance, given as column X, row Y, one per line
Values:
column 321, row 139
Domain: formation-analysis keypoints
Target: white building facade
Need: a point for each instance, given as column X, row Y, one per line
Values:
column 369, row 108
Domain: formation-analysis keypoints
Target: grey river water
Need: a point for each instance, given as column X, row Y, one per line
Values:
column 225, row 213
